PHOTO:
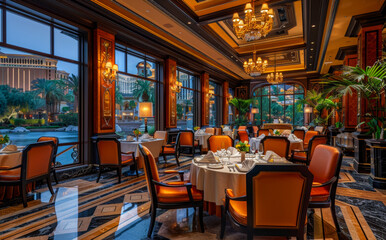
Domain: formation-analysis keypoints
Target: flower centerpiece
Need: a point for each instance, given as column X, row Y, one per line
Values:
column 277, row 132
column 137, row 133
column 4, row 140
column 243, row 147
column 196, row 128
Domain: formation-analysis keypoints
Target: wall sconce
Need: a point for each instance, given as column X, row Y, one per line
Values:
column 210, row 93
column 177, row 87
column 110, row 72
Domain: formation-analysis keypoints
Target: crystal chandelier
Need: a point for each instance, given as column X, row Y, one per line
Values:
column 275, row 77
column 253, row 27
column 254, row 67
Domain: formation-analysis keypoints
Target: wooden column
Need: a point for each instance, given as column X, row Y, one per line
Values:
column 350, row 102
column 104, row 89
column 170, row 96
column 204, row 99
column 225, row 101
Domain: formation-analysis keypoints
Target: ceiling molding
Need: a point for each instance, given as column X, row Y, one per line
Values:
column 364, row 20
column 347, row 50
column 334, row 68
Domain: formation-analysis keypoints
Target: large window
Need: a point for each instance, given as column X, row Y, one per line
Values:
column 278, row 103
column 40, row 65
column 137, row 81
column 231, row 108
column 215, row 104
column 187, row 99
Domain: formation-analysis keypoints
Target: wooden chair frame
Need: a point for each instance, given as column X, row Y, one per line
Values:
column 277, row 137
column 22, row 182
column 233, row 142
column 299, row 130
column 192, row 148
column 330, row 202
column 119, row 166
column 297, row 231
column 54, row 158
column 269, row 131
column 307, row 151
column 156, row 204
column 176, row 150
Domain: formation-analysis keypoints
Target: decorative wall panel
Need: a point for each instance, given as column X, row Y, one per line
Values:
column 170, row 96
column 350, row 102
column 104, row 89
column 204, row 99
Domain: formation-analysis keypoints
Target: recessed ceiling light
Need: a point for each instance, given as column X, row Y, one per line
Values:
column 147, row 11
column 179, row 32
column 310, row 56
column 231, row 56
column 313, row 25
column 312, row 42
column 310, row 64
column 312, row 49
column 189, row 22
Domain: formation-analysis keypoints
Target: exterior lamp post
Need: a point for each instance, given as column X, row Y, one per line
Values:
column 145, row 111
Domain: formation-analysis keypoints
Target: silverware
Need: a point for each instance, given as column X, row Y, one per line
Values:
column 229, row 169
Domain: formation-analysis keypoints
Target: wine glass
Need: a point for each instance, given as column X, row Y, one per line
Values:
column 260, row 150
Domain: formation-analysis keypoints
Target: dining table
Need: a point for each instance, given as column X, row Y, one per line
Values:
column 214, row 181
column 294, row 144
column 10, row 160
column 202, row 139
column 153, row 144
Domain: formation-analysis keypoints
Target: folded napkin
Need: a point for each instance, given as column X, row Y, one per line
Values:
column 234, row 152
column 226, row 128
column 130, row 138
column 286, row 132
column 199, row 132
column 208, row 158
column 270, row 155
column 10, row 148
column 293, row 138
column 261, row 136
column 145, row 136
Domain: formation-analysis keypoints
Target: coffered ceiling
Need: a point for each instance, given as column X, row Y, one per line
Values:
column 306, row 35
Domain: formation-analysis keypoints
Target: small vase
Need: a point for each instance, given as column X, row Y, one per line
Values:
column 242, row 156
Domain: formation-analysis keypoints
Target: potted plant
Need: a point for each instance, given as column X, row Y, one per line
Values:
column 3, row 140
column 370, row 83
column 242, row 105
column 243, row 147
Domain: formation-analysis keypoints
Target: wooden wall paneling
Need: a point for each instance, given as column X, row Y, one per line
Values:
column 225, row 105
column 204, row 99
column 104, row 97
column 350, row 102
column 170, row 96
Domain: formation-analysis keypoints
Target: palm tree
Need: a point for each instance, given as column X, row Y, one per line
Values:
column 51, row 91
column 143, row 90
column 73, row 83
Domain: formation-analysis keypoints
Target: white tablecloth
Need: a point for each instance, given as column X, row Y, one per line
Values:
column 255, row 142
column 154, row 146
column 229, row 133
column 203, row 139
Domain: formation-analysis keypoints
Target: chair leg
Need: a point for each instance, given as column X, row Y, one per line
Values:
column 333, row 213
column 249, row 235
column 223, row 222
column 152, row 220
column 193, row 150
column 201, row 218
column 164, row 158
column 55, row 177
column 178, row 162
column 23, row 190
column 49, row 185
column 135, row 165
column 99, row 174
column 119, row 172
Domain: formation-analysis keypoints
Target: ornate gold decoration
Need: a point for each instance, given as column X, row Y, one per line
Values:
column 253, row 27
column 275, row 77
column 255, row 67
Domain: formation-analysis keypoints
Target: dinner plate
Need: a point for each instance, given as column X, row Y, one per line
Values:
column 215, row 165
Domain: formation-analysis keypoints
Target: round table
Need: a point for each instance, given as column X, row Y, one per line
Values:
column 154, row 145
column 255, row 142
column 203, row 139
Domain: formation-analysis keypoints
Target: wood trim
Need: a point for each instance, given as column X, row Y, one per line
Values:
column 344, row 51
column 204, row 99
column 225, row 105
column 104, row 97
column 170, row 96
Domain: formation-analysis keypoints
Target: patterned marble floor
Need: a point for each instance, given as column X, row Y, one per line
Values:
column 84, row 209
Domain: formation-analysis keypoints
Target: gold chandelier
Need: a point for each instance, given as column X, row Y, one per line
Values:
column 275, row 77
column 255, row 67
column 253, row 27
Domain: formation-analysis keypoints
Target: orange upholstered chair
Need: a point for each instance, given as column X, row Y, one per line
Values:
column 218, row 131
column 172, row 195
column 186, row 140
column 242, row 128
column 266, row 132
column 111, row 157
column 299, row 133
column 255, row 130
column 325, row 166
column 308, row 136
column 279, row 145
column 276, row 202
column 56, row 143
column 217, row 142
column 35, row 165
column 173, row 148
column 304, row 156
column 210, row 130
column 243, row 136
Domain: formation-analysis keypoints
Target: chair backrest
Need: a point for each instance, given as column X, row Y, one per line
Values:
column 151, row 171
column 186, row 138
column 255, row 129
column 309, row 135
column 162, row 135
column 320, row 129
column 263, row 131
column 243, row 136
column 209, row 130
column 242, row 128
column 325, row 164
column 54, row 139
column 109, row 150
column 315, row 141
column 218, row 131
column 279, row 145
column 219, row 142
column 37, row 160
column 278, row 196
column 299, row 133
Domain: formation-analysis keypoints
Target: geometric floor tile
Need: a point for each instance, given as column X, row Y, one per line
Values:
column 108, row 209
column 73, row 225
column 136, row 197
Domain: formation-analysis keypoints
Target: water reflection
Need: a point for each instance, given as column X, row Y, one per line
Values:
column 66, row 209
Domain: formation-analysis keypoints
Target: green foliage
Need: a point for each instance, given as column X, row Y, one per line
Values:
column 69, row 119
column 144, row 91
column 3, row 104
column 151, row 130
column 180, row 111
column 242, row 105
column 338, row 125
column 4, row 139
column 21, row 121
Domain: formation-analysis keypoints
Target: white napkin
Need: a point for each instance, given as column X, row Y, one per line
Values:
column 145, row 136
column 199, row 132
column 129, row 138
column 226, row 128
column 271, row 154
column 261, row 136
column 208, row 158
column 286, row 132
column 234, row 152
column 245, row 166
column 293, row 138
